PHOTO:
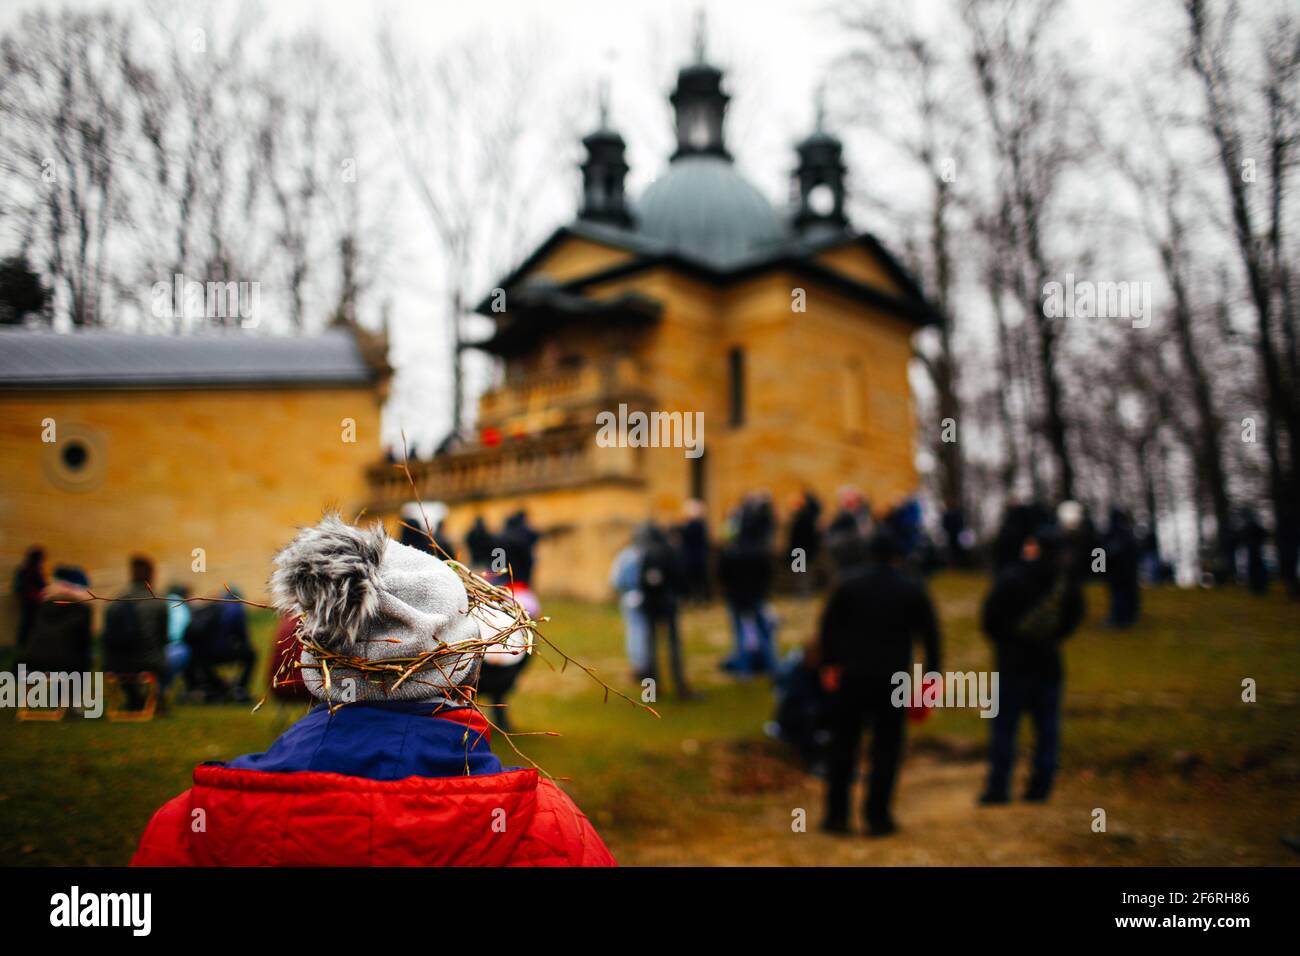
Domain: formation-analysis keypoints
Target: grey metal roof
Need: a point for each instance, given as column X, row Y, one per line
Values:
column 97, row 359
column 704, row 208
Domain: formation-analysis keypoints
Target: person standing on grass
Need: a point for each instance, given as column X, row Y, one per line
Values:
column 661, row 585
column 625, row 579
column 874, row 616
column 384, row 771
column 1036, row 603
column 805, row 538
column 1123, row 562
column 745, row 574
column 693, row 533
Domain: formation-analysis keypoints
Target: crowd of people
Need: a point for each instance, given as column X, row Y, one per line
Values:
column 147, row 636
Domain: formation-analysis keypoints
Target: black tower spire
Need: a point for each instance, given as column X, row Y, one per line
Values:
column 819, row 177
column 700, row 104
column 603, row 172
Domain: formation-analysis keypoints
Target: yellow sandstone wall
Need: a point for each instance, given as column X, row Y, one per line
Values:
column 827, row 404
column 232, row 472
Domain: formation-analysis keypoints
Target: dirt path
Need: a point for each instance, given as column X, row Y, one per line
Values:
column 1151, row 822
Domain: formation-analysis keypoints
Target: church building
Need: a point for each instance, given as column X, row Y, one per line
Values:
column 789, row 333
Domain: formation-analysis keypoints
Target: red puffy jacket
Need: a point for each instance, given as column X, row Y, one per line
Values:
column 306, row 818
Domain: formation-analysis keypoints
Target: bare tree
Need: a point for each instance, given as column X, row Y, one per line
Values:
column 1032, row 103
column 1256, row 135
column 894, row 61
column 67, row 116
column 459, row 127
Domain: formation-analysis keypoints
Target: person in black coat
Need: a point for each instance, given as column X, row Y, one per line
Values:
column 1123, row 559
column 1035, row 604
column 519, row 541
column 480, row 542
column 1254, row 535
column 60, row 637
column 745, row 575
column 662, row 584
column 805, row 537
column 29, row 583
column 693, row 534
column 876, row 613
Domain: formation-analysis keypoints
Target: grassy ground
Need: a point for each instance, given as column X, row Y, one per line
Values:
column 1156, row 734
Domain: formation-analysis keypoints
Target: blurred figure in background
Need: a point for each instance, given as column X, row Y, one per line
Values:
column 745, row 575
column 178, row 622
column 1034, row 605
column 957, row 539
column 519, row 540
column 1252, row 536
column 1123, row 563
column 135, row 633
column 693, row 533
column 217, row 635
column 849, row 530
column 625, row 579
column 480, row 542
column 417, row 520
column 873, row 617
column 504, row 661
column 29, row 584
column 805, row 537
column 904, row 523
column 661, row 587
column 59, row 640
column 1018, row 524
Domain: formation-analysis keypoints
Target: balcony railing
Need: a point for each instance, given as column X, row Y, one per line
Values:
column 560, row 459
column 553, row 394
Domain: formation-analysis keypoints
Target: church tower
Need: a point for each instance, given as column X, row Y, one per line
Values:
column 603, row 173
column 819, row 178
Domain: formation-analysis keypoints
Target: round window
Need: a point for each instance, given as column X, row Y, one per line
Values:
column 75, row 454
column 75, row 460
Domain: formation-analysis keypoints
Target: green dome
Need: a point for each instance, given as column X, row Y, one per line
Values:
column 704, row 208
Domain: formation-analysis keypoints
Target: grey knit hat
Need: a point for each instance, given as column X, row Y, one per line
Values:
column 364, row 595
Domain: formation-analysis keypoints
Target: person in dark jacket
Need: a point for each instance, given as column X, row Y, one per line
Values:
column 480, row 542
column 60, row 637
column 693, row 533
column 873, row 617
column 519, row 541
column 135, row 634
column 1123, row 561
column 1253, row 536
column 745, row 574
column 661, row 585
column 849, row 530
column 217, row 635
column 29, row 584
column 805, row 537
column 415, row 535
column 1035, row 604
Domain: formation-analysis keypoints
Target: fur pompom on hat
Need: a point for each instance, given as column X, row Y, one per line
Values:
column 362, row 594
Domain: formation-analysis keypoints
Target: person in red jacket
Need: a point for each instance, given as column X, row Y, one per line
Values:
column 400, row 774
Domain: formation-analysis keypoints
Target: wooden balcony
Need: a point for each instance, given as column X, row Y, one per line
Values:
column 562, row 396
column 563, row 458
